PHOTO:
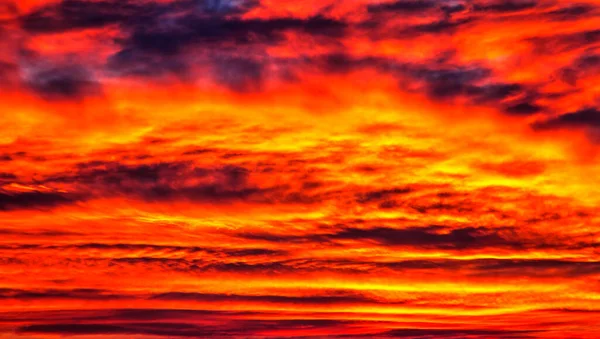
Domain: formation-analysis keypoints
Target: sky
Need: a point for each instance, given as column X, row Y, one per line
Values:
column 299, row 169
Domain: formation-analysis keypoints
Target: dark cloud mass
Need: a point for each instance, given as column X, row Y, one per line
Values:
column 177, row 181
column 240, row 74
column 34, row 200
column 433, row 236
column 400, row 7
column 504, row 6
column 179, row 328
column 587, row 117
column 438, row 237
column 63, row 82
column 83, row 294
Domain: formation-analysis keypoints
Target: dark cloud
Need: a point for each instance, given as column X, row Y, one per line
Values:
column 457, row 333
column 227, row 6
column 31, row 200
column 439, row 237
column 191, row 30
column 375, row 196
column 253, row 328
column 155, row 328
column 69, row 15
column 84, row 294
column 266, row 266
column 523, row 108
column 403, row 6
column 146, row 248
column 344, row 63
column 443, row 26
column 32, row 233
column 195, row 329
column 545, row 267
column 572, row 12
column 157, row 37
column 587, row 61
column 132, row 62
column 198, row 151
column 588, row 64
column 587, row 117
column 495, row 92
column 441, row 80
column 500, row 267
column 7, row 176
column 114, row 178
column 446, row 82
column 178, row 181
column 504, row 6
column 434, row 236
column 565, row 41
column 461, row 206
column 240, row 74
column 62, row 82
column 218, row 42
column 304, row 300
column 107, row 315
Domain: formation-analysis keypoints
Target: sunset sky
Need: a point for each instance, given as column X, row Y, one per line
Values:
column 299, row 169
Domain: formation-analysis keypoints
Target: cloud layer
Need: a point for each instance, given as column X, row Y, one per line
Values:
column 277, row 169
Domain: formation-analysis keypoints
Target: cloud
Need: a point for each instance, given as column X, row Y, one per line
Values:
column 545, row 267
column 34, row 200
column 523, row 108
column 67, row 15
column 199, row 47
column 586, row 117
column 443, row 80
column 438, row 237
column 190, row 30
column 572, row 12
column 402, row 6
column 246, row 193
column 115, row 314
column 564, row 42
column 158, row 329
column 147, row 249
column 443, row 26
column 253, row 328
column 504, row 6
column 433, row 236
column 82, row 294
column 62, row 82
column 178, row 328
column 72, row 15
column 4, row 176
column 457, row 333
column 498, row 267
column 302, row 300
column 178, row 181
column 378, row 195
column 584, row 66
column 131, row 62
column 240, row 74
